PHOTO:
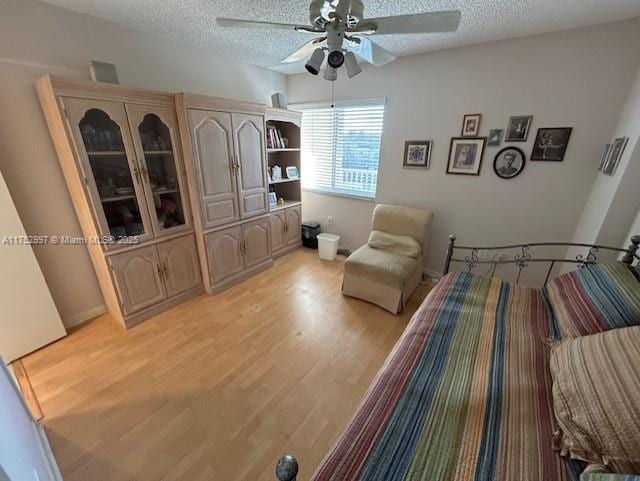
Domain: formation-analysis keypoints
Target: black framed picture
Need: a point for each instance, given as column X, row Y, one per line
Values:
column 495, row 137
column 471, row 125
column 509, row 162
column 465, row 155
column 605, row 155
column 551, row 144
column 613, row 158
column 417, row 153
column 518, row 129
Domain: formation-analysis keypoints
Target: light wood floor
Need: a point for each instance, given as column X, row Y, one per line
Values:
column 219, row 387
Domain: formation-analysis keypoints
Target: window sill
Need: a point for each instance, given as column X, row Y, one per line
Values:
column 341, row 194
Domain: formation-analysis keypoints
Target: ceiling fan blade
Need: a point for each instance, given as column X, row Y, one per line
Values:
column 305, row 51
column 432, row 22
column 370, row 51
column 232, row 22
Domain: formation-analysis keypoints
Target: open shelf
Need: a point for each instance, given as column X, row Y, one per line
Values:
column 287, row 123
column 283, row 150
column 282, row 181
column 287, row 203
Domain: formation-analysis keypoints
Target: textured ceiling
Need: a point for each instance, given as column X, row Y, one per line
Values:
column 193, row 22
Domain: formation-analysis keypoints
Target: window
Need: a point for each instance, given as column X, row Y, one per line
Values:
column 341, row 147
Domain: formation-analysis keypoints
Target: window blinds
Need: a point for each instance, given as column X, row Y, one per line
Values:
column 341, row 147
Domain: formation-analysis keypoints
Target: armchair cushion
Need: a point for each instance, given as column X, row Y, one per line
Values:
column 403, row 245
column 386, row 267
column 406, row 221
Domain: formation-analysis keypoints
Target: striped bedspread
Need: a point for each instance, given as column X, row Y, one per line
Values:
column 465, row 394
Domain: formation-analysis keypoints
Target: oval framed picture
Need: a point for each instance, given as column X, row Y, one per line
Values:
column 509, row 162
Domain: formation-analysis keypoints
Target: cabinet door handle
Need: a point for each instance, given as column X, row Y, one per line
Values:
column 164, row 269
column 136, row 173
column 159, row 271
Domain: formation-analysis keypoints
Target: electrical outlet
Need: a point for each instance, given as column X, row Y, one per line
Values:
column 483, row 254
column 330, row 220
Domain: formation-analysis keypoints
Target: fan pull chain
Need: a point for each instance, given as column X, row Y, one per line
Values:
column 333, row 84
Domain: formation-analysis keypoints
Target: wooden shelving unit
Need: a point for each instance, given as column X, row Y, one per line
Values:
column 287, row 124
column 286, row 216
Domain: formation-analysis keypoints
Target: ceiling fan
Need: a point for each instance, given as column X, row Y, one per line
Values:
column 343, row 32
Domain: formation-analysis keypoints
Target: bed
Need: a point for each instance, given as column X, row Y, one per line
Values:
column 465, row 394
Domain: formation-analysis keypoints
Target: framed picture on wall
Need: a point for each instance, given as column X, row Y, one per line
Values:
column 465, row 155
column 551, row 144
column 613, row 159
column 417, row 153
column 495, row 137
column 471, row 125
column 518, row 128
column 509, row 162
column 605, row 155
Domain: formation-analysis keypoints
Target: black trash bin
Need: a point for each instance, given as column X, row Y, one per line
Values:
column 310, row 231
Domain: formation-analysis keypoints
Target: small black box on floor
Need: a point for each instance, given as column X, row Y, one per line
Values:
column 310, row 231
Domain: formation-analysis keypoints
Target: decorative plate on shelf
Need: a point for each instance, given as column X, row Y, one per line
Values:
column 292, row 172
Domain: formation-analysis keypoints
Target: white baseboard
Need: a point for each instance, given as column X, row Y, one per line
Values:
column 45, row 449
column 84, row 316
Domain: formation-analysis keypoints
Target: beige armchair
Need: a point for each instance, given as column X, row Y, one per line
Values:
column 387, row 269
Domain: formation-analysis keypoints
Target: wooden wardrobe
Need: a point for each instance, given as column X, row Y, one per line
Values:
column 171, row 190
column 224, row 146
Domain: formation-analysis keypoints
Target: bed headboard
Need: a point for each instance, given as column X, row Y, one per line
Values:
column 521, row 255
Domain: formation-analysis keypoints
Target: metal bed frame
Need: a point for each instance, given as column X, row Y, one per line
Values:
column 523, row 255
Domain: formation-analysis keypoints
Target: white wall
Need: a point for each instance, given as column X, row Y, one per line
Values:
column 578, row 78
column 36, row 39
column 615, row 200
column 28, row 316
column 634, row 230
column 22, row 452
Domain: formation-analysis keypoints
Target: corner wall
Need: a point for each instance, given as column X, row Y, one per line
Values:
column 578, row 78
column 36, row 39
column 614, row 201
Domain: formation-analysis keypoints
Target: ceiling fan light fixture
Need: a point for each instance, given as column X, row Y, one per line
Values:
column 335, row 59
column 315, row 61
column 330, row 73
column 351, row 64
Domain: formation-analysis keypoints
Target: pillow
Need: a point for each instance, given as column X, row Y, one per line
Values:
column 593, row 299
column 403, row 245
column 596, row 398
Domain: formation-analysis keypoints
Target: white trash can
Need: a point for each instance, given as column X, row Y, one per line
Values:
column 328, row 246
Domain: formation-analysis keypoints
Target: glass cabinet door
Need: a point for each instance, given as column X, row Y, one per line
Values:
column 113, row 178
column 154, row 131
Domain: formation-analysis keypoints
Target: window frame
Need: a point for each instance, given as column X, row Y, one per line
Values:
column 353, row 194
